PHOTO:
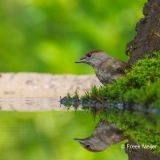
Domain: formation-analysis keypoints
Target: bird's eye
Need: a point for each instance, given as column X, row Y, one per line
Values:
column 88, row 146
column 89, row 55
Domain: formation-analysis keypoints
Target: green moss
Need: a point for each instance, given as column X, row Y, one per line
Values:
column 140, row 86
column 76, row 96
column 157, row 34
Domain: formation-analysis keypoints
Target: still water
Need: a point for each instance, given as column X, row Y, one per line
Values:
column 39, row 129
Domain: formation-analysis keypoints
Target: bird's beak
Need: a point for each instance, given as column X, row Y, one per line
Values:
column 79, row 61
column 78, row 140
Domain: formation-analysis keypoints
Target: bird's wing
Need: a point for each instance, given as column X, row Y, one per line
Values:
column 117, row 66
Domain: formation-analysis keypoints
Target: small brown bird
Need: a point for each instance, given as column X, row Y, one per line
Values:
column 104, row 135
column 107, row 68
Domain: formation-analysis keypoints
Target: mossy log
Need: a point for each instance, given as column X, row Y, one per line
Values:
column 146, row 41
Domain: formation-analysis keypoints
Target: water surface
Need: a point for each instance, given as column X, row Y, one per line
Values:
column 33, row 128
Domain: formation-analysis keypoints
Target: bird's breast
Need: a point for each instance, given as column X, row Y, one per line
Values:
column 103, row 75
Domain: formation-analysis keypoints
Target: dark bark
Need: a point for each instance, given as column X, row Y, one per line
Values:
column 147, row 39
column 139, row 153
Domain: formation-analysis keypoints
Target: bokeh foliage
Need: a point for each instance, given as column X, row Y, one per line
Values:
column 49, row 35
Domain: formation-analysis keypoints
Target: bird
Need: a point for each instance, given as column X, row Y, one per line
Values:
column 107, row 68
column 104, row 135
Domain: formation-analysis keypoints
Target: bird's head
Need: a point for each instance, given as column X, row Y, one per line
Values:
column 94, row 57
column 105, row 135
column 92, row 144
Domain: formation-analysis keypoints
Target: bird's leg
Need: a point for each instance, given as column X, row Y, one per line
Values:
column 100, row 100
column 97, row 98
column 97, row 112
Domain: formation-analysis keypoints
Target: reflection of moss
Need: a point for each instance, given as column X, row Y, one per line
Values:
column 140, row 86
column 143, row 128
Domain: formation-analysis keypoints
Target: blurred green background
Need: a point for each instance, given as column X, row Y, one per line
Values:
column 49, row 136
column 49, row 35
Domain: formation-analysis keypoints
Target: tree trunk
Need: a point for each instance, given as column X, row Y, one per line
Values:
column 147, row 39
column 136, row 152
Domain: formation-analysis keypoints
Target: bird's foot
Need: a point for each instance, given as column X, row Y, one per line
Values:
column 101, row 101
